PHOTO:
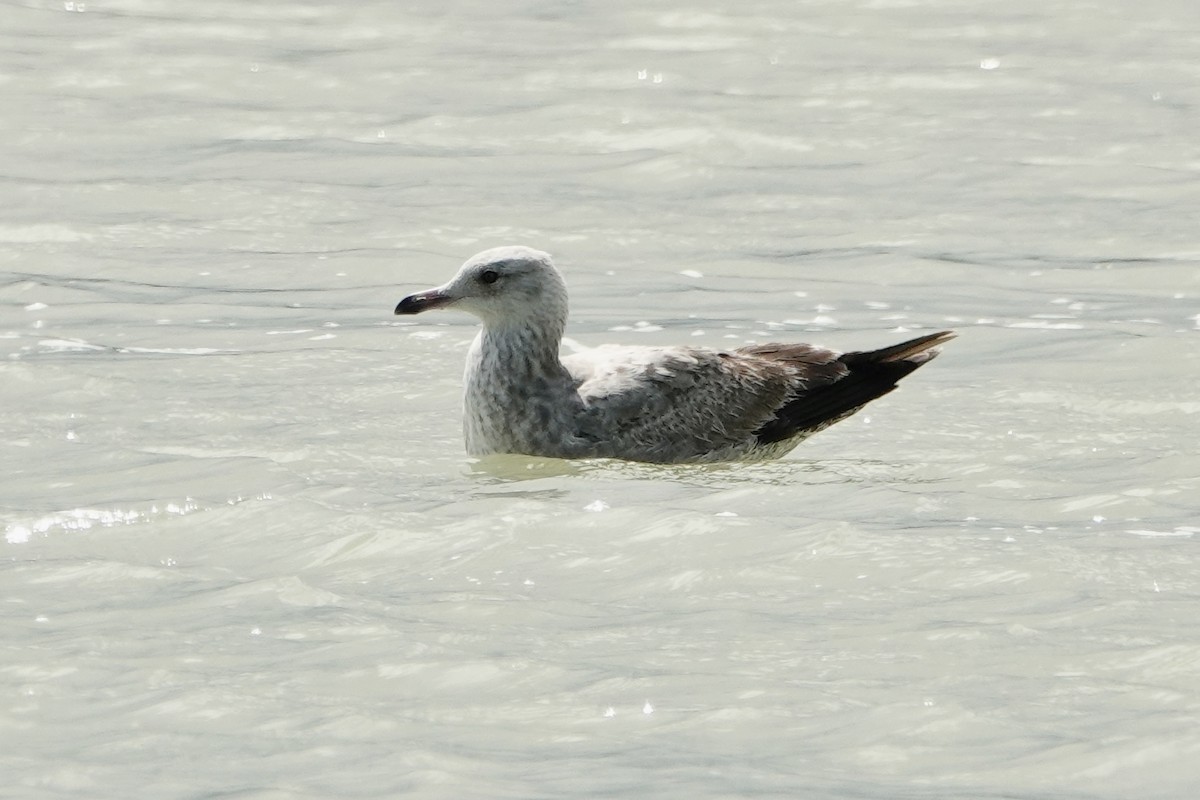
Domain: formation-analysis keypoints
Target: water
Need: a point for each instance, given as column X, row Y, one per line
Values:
column 245, row 556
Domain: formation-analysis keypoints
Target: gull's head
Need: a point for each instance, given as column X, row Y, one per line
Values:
column 504, row 285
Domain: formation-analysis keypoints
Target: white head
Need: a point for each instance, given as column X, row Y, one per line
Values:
column 503, row 286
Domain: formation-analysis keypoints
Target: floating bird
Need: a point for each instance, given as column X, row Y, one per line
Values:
column 657, row 404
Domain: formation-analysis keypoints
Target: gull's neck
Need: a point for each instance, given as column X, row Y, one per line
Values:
column 516, row 388
column 522, row 349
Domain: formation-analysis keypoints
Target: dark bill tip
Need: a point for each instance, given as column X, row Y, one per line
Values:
column 422, row 301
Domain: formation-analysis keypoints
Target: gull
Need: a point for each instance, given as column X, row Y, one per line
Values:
column 665, row 405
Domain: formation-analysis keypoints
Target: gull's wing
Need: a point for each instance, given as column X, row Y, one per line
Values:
column 681, row 404
column 675, row 404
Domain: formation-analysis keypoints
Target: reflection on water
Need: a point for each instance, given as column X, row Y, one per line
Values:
column 509, row 468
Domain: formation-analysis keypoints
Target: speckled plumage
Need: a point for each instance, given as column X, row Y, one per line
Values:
column 657, row 404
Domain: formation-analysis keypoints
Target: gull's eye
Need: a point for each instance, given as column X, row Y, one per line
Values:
column 489, row 276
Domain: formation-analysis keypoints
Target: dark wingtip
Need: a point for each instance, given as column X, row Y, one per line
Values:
column 834, row 396
column 920, row 349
